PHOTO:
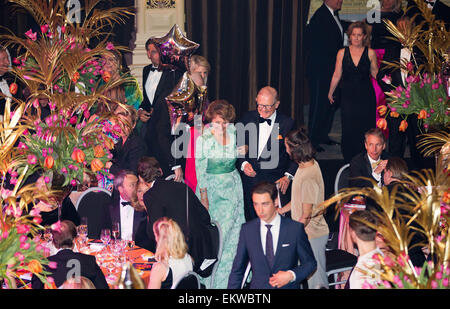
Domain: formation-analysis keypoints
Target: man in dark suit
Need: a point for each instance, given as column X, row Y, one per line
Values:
column 122, row 212
column 158, row 83
column 371, row 163
column 70, row 264
column 324, row 38
column 178, row 202
column 266, row 158
column 438, row 8
column 273, row 245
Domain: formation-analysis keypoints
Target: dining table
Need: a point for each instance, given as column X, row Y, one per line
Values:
column 141, row 259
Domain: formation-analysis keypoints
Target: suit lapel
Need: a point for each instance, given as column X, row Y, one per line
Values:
column 281, row 237
column 259, row 245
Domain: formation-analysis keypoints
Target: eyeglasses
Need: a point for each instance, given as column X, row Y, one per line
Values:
column 266, row 107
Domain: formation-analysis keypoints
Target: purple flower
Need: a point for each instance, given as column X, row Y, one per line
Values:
column 32, row 159
column 435, row 86
column 109, row 46
column 44, row 28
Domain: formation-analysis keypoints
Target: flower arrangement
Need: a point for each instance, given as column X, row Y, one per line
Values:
column 17, row 251
column 57, row 66
column 425, row 91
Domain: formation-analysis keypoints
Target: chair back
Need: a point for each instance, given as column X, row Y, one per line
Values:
column 244, row 283
column 210, row 264
column 342, row 176
column 190, row 281
column 94, row 205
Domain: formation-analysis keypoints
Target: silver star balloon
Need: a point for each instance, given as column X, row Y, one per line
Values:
column 175, row 49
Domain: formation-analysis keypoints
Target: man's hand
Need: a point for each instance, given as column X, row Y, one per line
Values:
column 143, row 115
column 284, row 183
column 178, row 174
column 280, row 279
column 380, row 167
column 249, row 171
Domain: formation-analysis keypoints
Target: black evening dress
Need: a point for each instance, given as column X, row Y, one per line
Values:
column 358, row 103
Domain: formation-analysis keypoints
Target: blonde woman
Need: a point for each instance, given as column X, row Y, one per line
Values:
column 173, row 261
column 355, row 65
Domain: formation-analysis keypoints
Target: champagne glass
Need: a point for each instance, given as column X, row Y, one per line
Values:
column 116, row 230
column 105, row 236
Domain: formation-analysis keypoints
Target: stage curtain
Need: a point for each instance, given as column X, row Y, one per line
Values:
column 251, row 44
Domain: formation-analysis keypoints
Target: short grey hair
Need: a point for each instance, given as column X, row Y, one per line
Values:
column 120, row 177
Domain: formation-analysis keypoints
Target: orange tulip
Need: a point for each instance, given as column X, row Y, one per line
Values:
column 382, row 109
column 49, row 162
column 13, row 88
column 99, row 151
column 382, row 124
column 106, row 76
column 394, row 114
column 422, row 114
column 78, row 156
column 109, row 143
column 403, row 126
column 35, row 267
column 96, row 165
column 75, row 77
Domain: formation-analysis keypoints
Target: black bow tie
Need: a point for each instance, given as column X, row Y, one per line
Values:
column 262, row 120
column 336, row 13
column 125, row 204
column 153, row 69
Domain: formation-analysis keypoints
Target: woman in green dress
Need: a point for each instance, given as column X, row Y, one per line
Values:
column 219, row 183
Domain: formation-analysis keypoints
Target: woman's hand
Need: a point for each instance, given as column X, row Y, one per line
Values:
column 204, row 198
column 330, row 98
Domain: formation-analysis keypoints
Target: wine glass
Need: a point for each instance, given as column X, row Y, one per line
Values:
column 116, row 230
column 105, row 236
column 111, row 278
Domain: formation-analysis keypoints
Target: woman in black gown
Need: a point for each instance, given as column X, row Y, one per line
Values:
column 354, row 66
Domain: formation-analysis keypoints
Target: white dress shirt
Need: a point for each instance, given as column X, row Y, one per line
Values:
column 375, row 175
column 275, row 230
column 405, row 55
column 151, row 84
column 126, row 220
column 264, row 133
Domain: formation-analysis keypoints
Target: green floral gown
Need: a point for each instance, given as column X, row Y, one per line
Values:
column 216, row 171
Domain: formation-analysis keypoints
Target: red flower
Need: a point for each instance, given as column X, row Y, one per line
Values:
column 13, row 88
column 422, row 114
column 78, row 155
column 403, row 126
column 49, row 162
column 382, row 124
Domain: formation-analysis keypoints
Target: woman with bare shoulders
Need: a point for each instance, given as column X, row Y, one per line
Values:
column 354, row 67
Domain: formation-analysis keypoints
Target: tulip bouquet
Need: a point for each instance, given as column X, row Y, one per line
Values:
column 18, row 253
column 424, row 96
column 424, row 93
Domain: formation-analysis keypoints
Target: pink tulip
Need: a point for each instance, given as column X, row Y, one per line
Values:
column 109, row 46
column 56, row 226
column 23, row 238
column 44, row 28
column 22, row 229
column 73, row 182
column 32, row 35
column 5, row 234
column 52, row 265
column 445, row 282
column 25, row 246
column 19, row 256
column 435, row 86
column 387, row 79
column 32, row 159
column 434, row 284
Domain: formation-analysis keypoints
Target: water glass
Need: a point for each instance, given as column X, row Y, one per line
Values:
column 105, row 236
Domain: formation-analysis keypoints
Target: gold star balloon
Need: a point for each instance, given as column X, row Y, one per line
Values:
column 175, row 49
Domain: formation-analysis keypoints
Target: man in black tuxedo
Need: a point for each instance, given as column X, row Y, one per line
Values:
column 176, row 201
column 70, row 264
column 266, row 158
column 158, row 83
column 371, row 163
column 123, row 212
column 324, row 38
column 274, row 246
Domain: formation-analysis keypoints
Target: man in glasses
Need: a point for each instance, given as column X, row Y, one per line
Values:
column 266, row 158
